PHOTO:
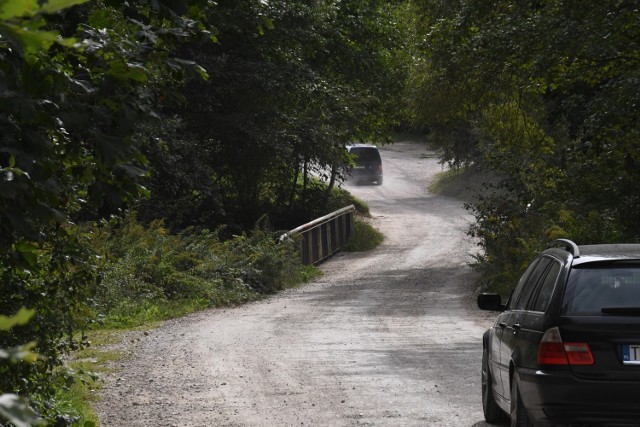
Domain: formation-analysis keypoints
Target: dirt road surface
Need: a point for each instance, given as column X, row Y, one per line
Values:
column 386, row 338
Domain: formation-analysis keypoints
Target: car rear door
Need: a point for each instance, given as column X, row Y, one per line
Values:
column 526, row 327
column 533, row 320
column 504, row 330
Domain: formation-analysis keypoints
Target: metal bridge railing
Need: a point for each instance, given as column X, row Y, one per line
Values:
column 324, row 236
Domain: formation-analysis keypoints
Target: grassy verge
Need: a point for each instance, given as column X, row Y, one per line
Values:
column 150, row 275
column 84, row 370
column 467, row 184
column 365, row 237
column 463, row 183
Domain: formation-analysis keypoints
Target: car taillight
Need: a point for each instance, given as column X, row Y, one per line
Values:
column 552, row 351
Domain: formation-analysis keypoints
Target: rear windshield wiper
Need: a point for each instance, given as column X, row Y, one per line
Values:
column 622, row 311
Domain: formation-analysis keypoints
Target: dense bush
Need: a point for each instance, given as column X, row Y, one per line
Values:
column 149, row 272
column 13, row 407
column 54, row 280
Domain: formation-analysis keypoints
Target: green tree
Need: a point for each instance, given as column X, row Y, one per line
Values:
column 291, row 83
column 542, row 93
column 95, row 96
column 76, row 84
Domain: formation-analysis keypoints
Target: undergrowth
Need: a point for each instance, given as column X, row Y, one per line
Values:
column 148, row 274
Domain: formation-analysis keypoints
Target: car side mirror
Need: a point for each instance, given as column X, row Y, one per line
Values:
column 490, row 301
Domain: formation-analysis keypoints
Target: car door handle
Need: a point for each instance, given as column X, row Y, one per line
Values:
column 516, row 327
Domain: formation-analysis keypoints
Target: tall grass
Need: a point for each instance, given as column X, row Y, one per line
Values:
column 364, row 238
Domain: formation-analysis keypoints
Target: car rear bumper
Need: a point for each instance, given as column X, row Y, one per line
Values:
column 362, row 175
column 365, row 172
column 557, row 397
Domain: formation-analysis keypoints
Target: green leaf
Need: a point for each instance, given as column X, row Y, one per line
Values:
column 118, row 69
column 137, row 72
column 22, row 353
column 18, row 8
column 16, row 410
column 21, row 318
column 122, row 70
column 201, row 72
column 267, row 22
column 29, row 252
column 26, row 40
column 144, row 192
column 14, row 9
column 53, row 6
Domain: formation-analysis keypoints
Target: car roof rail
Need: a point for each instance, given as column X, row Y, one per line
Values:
column 566, row 244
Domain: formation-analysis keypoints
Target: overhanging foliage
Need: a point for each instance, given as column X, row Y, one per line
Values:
column 545, row 93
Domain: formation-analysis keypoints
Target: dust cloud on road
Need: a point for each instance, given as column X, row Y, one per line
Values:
column 385, row 338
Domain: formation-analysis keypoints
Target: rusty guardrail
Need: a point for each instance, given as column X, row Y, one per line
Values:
column 324, row 236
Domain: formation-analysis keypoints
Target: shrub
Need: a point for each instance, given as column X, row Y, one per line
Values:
column 149, row 273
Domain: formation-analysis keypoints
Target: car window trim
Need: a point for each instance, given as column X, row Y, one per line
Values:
column 542, row 281
column 535, row 285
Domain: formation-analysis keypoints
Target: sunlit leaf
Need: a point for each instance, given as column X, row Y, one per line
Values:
column 51, row 6
column 19, row 8
column 122, row 70
column 202, row 72
column 137, row 72
column 26, row 40
column 21, row 318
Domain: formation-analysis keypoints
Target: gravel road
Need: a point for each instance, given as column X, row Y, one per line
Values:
column 386, row 338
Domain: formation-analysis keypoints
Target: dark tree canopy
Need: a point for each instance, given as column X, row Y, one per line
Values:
column 545, row 93
column 76, row 83
column 280, row 104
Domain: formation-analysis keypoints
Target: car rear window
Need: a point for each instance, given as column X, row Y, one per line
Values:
column 365, row 154
column 592, row 289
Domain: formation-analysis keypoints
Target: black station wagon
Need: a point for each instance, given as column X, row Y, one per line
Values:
column 565, row 349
